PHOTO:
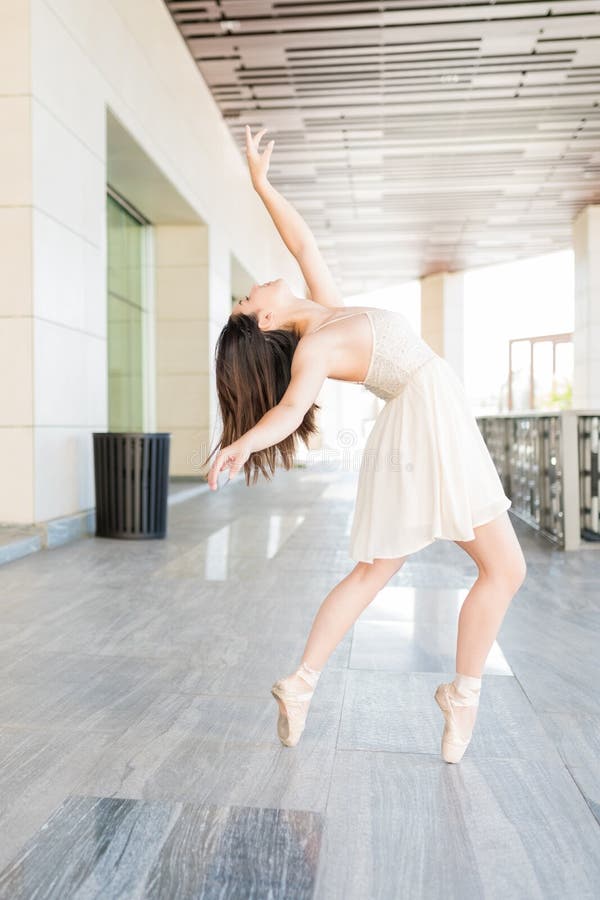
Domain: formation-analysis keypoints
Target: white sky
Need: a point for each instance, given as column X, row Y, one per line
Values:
column 527, row 298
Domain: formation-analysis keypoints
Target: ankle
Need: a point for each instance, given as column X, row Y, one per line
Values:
column 308, row 674
column 466, row 689
column 304, row 665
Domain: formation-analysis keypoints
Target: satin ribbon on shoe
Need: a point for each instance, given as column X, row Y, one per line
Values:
column 448, row 697
column 294, row 705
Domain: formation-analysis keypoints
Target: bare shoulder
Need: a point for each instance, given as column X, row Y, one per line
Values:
column 312, row 358
column 316, row 343
column 311, row 347
column 309, row 342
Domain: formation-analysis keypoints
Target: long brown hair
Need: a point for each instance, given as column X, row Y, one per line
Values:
column 253, row 370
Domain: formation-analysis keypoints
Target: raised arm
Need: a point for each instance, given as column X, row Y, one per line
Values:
column 294, row 231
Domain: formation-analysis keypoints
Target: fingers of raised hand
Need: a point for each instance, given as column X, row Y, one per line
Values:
column 253, row 141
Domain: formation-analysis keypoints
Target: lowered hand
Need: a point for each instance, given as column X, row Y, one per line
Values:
column 232, row 457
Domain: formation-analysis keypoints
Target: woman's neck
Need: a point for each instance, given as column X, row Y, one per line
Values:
column 306, row 318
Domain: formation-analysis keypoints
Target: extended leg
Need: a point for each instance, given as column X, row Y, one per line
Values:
column 343, row 605
column 341, row 608
column 502, row 570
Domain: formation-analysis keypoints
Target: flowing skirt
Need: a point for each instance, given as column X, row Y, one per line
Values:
column 426, row 473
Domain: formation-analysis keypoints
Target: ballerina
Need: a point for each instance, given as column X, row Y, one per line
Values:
column 425, row 474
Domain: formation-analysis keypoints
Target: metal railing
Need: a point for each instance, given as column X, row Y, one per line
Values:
column 589, row 480
column 548, row 464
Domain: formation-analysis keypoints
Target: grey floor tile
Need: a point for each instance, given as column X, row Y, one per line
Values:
column 224, row 749
column 557, row 662
column 32, row 666
column 114, row 848
column 412, row 826
column 400, row 603
column 104, row 707
column 254, row 673
column 172, row 765
column 577, row 737
column 413, row 647
column 396, row 712
column 38, row 769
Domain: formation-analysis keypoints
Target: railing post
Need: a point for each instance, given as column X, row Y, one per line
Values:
column 570, row 479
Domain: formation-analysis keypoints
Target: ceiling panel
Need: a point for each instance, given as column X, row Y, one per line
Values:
column 414, row 137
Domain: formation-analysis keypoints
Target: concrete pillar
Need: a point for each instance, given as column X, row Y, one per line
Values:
column 442, row 317
column 218, row 309
column 586, row 336
column 53, row 301
column 182, row 351
column 16, row 296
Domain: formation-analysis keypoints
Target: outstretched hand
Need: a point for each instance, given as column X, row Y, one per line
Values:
column 232, row 457
column 258, row 163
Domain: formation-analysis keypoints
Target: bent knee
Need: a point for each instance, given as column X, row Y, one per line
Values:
column 510, row 573
column 518, row 572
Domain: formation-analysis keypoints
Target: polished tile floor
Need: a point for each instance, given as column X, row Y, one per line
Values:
column 138, row 751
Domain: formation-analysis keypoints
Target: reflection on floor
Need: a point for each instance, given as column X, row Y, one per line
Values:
column 138, row 751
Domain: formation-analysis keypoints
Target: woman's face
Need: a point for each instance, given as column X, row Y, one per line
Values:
column 270, row 297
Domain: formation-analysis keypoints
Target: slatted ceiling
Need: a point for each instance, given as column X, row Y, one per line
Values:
column 414, row 136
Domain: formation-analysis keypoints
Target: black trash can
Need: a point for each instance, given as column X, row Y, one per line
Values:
column 131, row 474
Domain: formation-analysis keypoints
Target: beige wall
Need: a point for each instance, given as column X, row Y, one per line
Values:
column 66, row 67
column 182, row 334
column 193, row 289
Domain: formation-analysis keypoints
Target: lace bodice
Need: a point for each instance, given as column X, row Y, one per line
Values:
column 397, row 352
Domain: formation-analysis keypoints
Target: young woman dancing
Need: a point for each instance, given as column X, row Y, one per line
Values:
column 425, row 473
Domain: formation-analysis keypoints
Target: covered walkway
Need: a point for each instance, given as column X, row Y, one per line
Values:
column 138, row 751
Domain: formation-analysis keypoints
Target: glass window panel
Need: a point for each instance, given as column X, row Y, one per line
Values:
column 542, row 374
column 521, row 373
column 564, row 360
column 125, row 323
column 563, row 374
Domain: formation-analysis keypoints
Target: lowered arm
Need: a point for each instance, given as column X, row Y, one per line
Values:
column 308, row 372
column 307, row 377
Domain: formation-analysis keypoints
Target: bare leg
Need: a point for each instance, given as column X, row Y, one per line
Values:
column 341, row 608
column 502, row 569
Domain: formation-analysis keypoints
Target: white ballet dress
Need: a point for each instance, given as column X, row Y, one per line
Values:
column 426, row 473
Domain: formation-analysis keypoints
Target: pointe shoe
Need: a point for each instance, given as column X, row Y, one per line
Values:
column 293, row 704
column 456, row 737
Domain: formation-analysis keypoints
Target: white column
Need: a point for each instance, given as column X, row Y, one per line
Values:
column 442, row 316
column 16, row 296
column 182, row 342
column 219, row 307
column 569, row 444
column 586, row 338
